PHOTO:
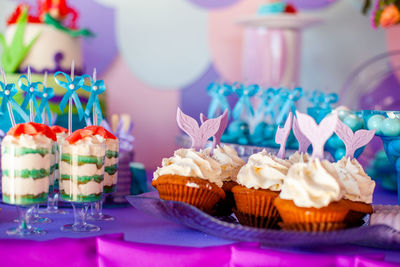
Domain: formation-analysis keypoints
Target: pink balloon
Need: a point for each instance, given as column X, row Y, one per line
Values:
column 154, row 135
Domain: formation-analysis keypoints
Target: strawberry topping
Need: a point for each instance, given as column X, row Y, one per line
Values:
column 33, row 129
column 98, row 130
column 78, row 135
column 58, row 129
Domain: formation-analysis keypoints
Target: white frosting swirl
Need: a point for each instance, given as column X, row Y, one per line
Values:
column 229, row 160
column 190, row 163
column 264, row 171
column 299, row 157
column 313, row 184
column 28, row 141
column 358, row 186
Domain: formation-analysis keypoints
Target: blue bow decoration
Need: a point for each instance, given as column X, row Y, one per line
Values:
column 7, row 94
column 46, row 95
column 71, row 86
column 266, row 98
column 329, row 99
column 95, row 89
column 32, row 91
column 218, row 95
column 293, row 96
column 244, row 103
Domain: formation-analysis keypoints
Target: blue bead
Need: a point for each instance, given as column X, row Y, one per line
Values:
column 394, row 148
column 339, row 154
column 375, row 122
column 354, row 122
column 390, row 127
column 335, row 142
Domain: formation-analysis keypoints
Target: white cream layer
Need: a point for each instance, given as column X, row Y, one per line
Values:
column 313, row 184
column 27, row 161
column 190, row 163
column 263, row 170
column 82, row 170
column 74, row 189
column 110, row 179
column 357, row 184
column 24, row 186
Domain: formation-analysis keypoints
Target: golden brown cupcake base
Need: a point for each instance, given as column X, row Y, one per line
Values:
column 255, row 207
column 312, row 227
column 174, row 187
column 313, row 218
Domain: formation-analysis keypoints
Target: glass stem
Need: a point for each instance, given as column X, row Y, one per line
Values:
column 99, row 207
column 80, row 212
column 24, row 215
column 52, row 202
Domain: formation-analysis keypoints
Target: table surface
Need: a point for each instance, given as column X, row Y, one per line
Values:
column 140, row 227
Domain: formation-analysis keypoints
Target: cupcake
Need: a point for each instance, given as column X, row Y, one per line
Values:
column 311, row 198
column 358, row 190
column 191, row 177
column 259, row 183
column 230, row 164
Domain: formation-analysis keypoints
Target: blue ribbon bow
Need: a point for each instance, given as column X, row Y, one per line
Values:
column 266, row 98
column 244, row 103
column 95, row 89
column 218, row 95
column 7, row 94
column 32, row 91
column 71, row 86
column 293, row 96
column 46, row 95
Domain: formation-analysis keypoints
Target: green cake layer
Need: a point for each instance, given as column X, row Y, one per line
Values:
column 82, row 160
column 53, row 168
column 109, row 189
column 34, row 174
column 82, row 179
column 111, row 154
column 112, row 169
column 26, row 199
column 80, row 198
column 20, row 151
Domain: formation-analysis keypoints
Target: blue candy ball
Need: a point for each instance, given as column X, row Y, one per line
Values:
column 335, row 142
column 354, row 122
column 375, row 123
column 390, row 127
column 339, row 154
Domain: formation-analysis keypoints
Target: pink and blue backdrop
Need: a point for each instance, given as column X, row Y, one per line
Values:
column 157, row 55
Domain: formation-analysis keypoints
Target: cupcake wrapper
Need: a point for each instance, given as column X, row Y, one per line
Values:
column 259, row 205
column 257, row 221
column 225, row 206
column 311, row 217
column 202, row 198
column 312, row 227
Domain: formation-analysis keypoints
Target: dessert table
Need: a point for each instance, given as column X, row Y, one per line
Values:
column 138, row 239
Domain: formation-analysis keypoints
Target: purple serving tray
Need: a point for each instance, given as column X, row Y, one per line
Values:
column 380, row 236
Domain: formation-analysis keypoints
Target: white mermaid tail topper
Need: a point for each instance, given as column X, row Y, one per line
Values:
column 199, row 135
column 353, row 141
column 317, row 134
column 282, row 135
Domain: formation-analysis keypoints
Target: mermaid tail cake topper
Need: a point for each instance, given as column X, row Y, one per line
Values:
column 282, row 135
column 199, row 135
column 221, row 129
column 304, row 143
column 353, row 141
column 317, row 134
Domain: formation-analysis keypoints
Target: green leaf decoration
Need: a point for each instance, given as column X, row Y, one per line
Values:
column 16, row 51
column 74, row 33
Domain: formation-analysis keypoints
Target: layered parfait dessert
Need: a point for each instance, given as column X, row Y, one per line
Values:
column 26, row 163
column 82, row 166
column 111, row 160
column 61, row 133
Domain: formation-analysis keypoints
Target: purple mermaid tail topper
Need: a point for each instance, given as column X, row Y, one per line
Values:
column 282, row 135
column 353, row 141
column 199, row 135
column 222, row 127
column 304, row 143
column 317, row 134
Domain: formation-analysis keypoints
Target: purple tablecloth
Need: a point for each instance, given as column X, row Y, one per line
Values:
column 154, row 241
